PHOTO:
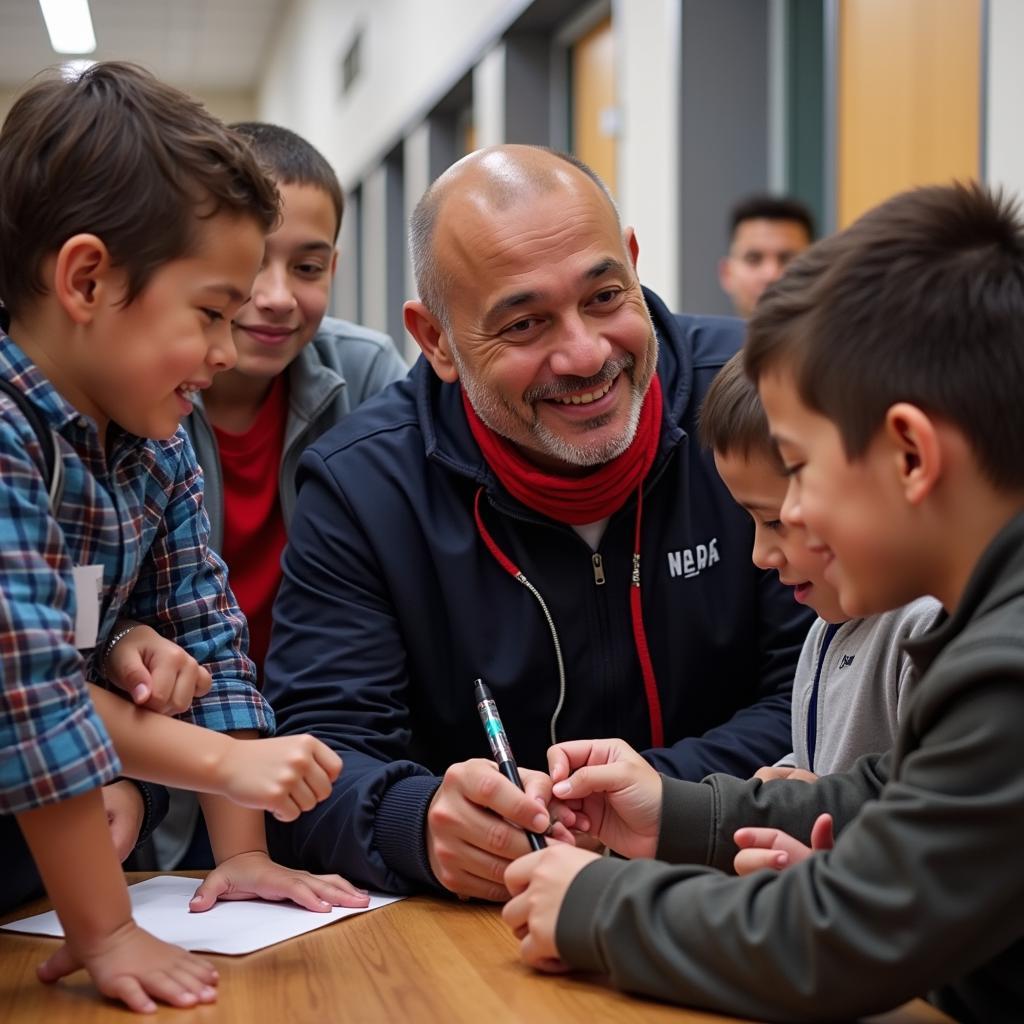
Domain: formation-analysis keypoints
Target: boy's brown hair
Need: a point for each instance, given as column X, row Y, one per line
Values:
column 732, row 418
column 117, row 154
column 291, row 160
column 919, row 301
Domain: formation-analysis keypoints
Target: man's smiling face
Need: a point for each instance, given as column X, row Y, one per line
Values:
column 548, row 327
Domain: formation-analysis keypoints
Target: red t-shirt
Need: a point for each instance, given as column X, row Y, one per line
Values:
column 254, row 532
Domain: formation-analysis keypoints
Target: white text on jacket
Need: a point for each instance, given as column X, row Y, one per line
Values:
column 690, row 561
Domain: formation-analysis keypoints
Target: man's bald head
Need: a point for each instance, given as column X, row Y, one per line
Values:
column 496, row 178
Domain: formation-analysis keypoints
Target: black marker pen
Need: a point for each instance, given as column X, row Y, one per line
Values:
column 500, row 749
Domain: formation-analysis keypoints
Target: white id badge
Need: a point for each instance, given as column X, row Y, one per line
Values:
column 88, row 595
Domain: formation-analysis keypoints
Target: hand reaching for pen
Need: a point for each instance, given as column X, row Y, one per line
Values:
column 476, row 821
column 762, row 848
column 614, row 792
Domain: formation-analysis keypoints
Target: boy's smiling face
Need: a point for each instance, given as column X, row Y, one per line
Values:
column 755, row 482
column 291, row 290
column 853, row 512
column 141, row 363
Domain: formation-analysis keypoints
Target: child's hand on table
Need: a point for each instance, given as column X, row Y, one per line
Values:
column 135, row 967
column 249, row 876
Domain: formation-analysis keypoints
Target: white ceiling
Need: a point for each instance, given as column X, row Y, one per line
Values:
column 199, row 45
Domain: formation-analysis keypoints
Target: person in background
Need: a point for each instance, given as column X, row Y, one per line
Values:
column 765, row 233
column 298, row 373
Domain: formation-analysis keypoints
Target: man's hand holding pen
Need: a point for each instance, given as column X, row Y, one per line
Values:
column 477, row 824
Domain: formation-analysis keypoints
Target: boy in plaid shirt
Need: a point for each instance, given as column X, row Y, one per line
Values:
column 137, row 222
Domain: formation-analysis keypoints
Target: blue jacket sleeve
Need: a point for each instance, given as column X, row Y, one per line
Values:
column 331, row 614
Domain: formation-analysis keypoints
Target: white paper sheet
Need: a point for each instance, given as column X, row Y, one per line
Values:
column 160, row 905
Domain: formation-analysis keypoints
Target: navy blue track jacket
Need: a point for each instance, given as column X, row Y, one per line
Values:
column 391, row 606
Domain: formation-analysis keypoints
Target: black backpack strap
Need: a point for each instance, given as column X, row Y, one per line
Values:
column 53, row 465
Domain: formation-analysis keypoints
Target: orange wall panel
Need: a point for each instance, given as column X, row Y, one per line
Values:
column 593, row 93
column 909, row 97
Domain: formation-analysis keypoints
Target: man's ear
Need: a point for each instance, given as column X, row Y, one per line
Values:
column 334, row 263
column 631, row 244
column 917, row 450
column 431, row 338
column 83, row 278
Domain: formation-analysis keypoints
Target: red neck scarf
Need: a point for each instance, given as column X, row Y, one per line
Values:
column 577, row 500
column 570, row 499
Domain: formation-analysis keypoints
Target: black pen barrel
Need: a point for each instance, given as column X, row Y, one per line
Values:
column 511, row 772
column 500, row 748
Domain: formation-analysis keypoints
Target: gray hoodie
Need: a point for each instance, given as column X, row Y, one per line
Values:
column 862, row 686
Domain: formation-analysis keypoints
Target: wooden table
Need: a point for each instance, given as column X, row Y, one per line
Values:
column 422, row 961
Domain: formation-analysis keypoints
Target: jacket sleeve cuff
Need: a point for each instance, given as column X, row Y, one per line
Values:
column 687, row 815
column 576, row 928
column 399, row 831
column 155, row 801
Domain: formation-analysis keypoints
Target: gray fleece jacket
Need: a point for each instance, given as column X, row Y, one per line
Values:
column 861, row 688
column 923, row 892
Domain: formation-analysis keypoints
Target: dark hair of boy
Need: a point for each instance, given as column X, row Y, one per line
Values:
column 117, row 154
column 920, row 301
column 291, row 160
column 732, row 418
column 769, row 207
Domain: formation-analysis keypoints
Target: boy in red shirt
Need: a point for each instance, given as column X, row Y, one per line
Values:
column 298, row 373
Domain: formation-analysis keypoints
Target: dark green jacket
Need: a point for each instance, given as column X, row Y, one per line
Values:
column 923, row 892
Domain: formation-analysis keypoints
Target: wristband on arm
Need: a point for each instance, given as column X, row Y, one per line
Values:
column 154, row 805
column 121, row 629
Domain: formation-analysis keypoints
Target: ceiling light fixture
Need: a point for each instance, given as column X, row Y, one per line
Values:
column 70, row 25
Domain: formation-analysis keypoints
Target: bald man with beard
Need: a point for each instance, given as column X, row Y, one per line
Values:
column 529, row 507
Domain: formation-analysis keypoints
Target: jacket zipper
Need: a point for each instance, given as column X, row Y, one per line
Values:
column 598, row 569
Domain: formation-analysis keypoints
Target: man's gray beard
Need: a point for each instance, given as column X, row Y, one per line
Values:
column 497, row 414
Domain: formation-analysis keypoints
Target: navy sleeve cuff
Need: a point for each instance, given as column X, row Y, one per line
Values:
column 399, row 831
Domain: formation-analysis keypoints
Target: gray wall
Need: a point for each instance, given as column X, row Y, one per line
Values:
column 724, row 141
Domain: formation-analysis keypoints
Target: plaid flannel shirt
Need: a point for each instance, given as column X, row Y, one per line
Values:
column 138, row 512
